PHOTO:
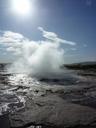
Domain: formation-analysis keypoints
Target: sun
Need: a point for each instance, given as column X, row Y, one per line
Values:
column 21, row 7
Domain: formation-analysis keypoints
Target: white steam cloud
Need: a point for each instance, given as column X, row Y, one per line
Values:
column 39, row 58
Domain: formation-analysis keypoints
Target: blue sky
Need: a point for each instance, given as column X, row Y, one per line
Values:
column 72, row 20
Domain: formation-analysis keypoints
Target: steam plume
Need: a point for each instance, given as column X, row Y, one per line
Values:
column 39, row 58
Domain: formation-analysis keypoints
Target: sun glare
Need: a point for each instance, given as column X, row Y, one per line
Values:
column 22, row 7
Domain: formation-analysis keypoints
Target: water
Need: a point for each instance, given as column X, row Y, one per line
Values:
column 15, row 87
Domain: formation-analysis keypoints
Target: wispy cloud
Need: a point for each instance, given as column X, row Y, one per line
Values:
column 16, row 41
column 54, row 37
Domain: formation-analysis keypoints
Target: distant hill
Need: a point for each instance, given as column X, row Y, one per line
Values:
column 81, row 66
column 88, row 63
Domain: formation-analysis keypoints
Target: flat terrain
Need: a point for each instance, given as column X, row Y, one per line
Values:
column 55, row 103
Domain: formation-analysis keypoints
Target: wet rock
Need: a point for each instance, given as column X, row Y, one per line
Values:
column 4, row 121
column 54, row 111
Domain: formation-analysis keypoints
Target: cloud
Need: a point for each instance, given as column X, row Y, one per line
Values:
column 54, row 37
column 11, row 37
column 16, row 41
column 16, row 36
column 15, row 51
column 12, row 41
column 39, row 58
column 10, row 49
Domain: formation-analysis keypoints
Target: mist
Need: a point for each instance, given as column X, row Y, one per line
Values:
column 41, row 58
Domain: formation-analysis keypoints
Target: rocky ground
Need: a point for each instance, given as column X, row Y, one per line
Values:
column 31, row 103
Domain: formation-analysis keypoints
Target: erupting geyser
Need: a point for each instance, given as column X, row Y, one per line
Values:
column 38, row 58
